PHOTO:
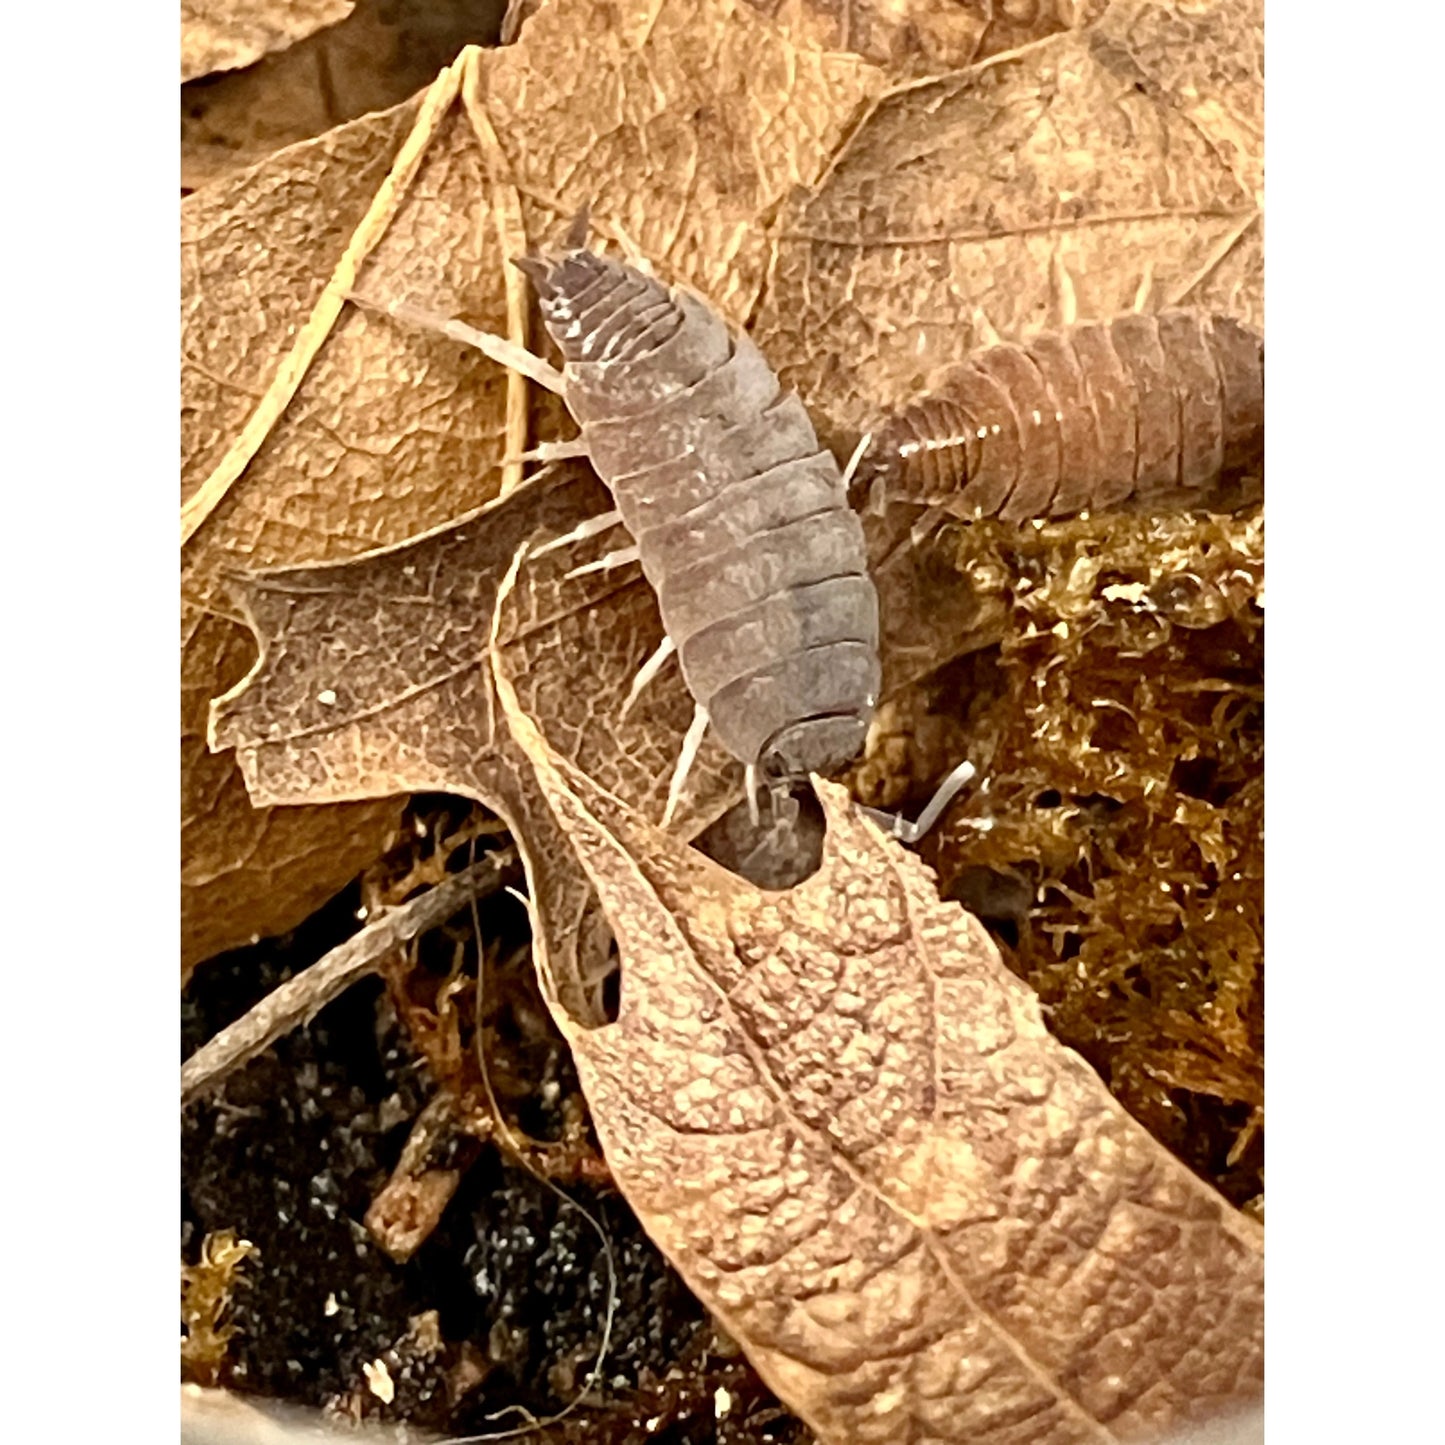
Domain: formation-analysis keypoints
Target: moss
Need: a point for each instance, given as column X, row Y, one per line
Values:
column 1116, row 844
column 206, row 1288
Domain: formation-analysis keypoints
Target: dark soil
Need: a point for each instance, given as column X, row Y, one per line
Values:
column 292, row 1151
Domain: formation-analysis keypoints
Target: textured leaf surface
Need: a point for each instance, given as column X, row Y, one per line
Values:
column 844, row 1121
column 234, row 853
column 378, row 57
column 1102, row 170
column 387, row 433
column 868, row 233
column 927, row 36
column 226, row 34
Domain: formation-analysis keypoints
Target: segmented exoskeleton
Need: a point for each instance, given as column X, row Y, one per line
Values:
column 1163, row 410
column 740, row 518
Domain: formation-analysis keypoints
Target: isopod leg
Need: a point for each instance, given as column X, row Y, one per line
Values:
column 646, row 673
column 926, row 525
column 590, row 528
column 899, row 827
column 851, row 470
column 690, row 744
column 606, row 563
column 551, row 452
column 506, row 353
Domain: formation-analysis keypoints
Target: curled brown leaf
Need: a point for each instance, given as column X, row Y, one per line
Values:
column 843, row 1120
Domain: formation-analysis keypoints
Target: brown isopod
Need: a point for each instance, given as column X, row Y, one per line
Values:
column 1148, row 411
column 739, row 517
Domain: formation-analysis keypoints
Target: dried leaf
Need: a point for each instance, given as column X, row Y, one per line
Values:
column 372, row 680
column 317, row 433
column 928, row 36
column 1103, row 168
column 249, row 870
column 843, row 1120
column 226, row 34
column 312, row 434
column 378, row 57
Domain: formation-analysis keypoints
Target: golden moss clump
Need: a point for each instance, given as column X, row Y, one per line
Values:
column 205, row 1297
column 1119, row 733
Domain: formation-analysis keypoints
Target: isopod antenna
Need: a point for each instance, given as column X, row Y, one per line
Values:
column 897, row 826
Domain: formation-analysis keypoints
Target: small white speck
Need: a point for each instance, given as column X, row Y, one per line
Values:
column 379, row 1381
column 982, row 432
column 885, row 1402
column 327, row 698
column 420, row 826
column 722, row 1402
column 331, row 1307
column 1038, row 417
column 995, row 428
column 362, row 914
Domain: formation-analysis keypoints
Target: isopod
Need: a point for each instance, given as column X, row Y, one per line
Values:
column 1147, row 411
column 739, row 518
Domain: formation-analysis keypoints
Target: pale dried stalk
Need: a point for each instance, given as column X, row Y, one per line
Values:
column 512, row 237
column 299, row 999
column 297, row 362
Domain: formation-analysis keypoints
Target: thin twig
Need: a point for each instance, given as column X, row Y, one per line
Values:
column 299, row 999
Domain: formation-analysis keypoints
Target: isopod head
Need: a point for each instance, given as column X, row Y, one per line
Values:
column 823, row 745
